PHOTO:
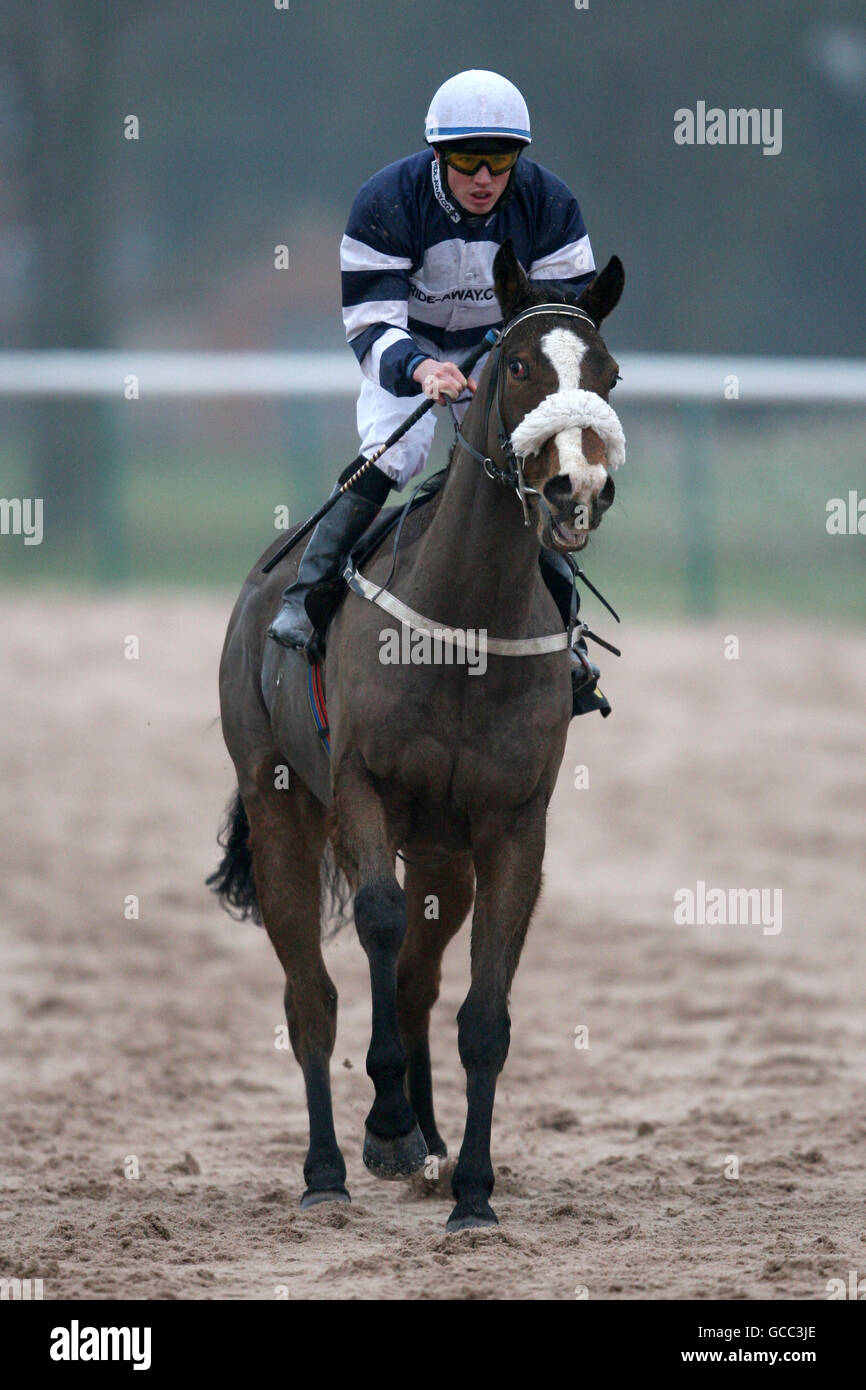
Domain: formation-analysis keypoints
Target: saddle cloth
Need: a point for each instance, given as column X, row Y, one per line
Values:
column 324, row 599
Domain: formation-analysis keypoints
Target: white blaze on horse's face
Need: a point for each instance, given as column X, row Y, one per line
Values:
column 566, row 351
column 588, row 439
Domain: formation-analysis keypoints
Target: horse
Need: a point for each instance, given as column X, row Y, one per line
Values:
column 450, row 768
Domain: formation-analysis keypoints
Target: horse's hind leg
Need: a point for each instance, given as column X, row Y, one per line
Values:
column 438, row 902
column 394, row 1145
column 287, row 838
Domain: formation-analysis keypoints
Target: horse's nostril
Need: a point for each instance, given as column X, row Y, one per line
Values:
column 606, row 496
column 558, row 490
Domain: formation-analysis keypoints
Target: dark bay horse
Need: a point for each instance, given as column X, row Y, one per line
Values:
column 452, row 767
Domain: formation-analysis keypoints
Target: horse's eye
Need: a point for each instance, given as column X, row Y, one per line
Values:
column 613, row 383
column 517, row 368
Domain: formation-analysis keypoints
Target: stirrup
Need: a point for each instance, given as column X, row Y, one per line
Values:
column 586, row 694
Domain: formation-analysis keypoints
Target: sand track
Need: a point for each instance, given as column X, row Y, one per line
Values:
column 155, row 1038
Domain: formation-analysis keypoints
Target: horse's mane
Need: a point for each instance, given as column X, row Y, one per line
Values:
column 544, row 294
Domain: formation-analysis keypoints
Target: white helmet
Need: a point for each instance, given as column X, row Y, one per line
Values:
column 477, row 103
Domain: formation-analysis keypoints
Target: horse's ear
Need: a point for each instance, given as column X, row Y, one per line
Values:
column 509, row 279
column 601, row 296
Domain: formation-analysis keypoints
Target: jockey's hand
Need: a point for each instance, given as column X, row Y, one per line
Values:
column 439, row 380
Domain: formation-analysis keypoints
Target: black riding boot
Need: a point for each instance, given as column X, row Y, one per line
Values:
column 328, row 546
column 559, row 579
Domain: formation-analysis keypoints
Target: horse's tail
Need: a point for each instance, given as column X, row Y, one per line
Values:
column 233, row 880
column 335, row 895
column 235, row 886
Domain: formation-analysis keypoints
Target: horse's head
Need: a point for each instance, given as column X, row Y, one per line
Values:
column 556, row 375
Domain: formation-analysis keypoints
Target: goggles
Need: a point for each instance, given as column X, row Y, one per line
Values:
column 468, row 162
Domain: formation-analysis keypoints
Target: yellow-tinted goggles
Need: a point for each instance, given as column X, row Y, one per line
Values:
column 466, row 162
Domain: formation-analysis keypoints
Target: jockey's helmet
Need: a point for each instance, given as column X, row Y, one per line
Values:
column 477, row 103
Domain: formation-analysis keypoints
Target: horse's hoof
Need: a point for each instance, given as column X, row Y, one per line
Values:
column 466, row 1217
column 395, row 1158
column 314, row 1196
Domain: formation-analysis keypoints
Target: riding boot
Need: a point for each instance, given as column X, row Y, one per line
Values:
column 559, row 579
column 330, row 542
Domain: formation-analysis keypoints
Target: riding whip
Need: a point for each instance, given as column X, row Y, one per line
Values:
column 364, row 463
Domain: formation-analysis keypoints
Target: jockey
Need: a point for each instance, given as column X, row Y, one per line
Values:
column 417, row 271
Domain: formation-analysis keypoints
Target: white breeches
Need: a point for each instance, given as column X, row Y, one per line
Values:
column 379, row 414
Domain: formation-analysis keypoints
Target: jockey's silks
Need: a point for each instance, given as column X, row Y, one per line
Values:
column 418, row 269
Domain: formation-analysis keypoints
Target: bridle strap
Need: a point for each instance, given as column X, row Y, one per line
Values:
column 512, row 473
column 569, row 309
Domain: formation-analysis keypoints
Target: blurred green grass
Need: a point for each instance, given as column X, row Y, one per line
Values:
column 715, row 510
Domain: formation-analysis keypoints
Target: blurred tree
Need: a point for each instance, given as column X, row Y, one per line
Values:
column 58, row 55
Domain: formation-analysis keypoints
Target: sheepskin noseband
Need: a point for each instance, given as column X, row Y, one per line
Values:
column 571, row 409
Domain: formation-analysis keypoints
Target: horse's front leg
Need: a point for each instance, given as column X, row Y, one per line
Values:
column 508, row 856
column 394, row 1146
column 449, row 888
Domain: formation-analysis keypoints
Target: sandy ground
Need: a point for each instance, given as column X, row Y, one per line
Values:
column 153, row 1039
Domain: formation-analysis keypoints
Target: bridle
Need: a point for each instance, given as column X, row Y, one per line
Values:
column 511, row 473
